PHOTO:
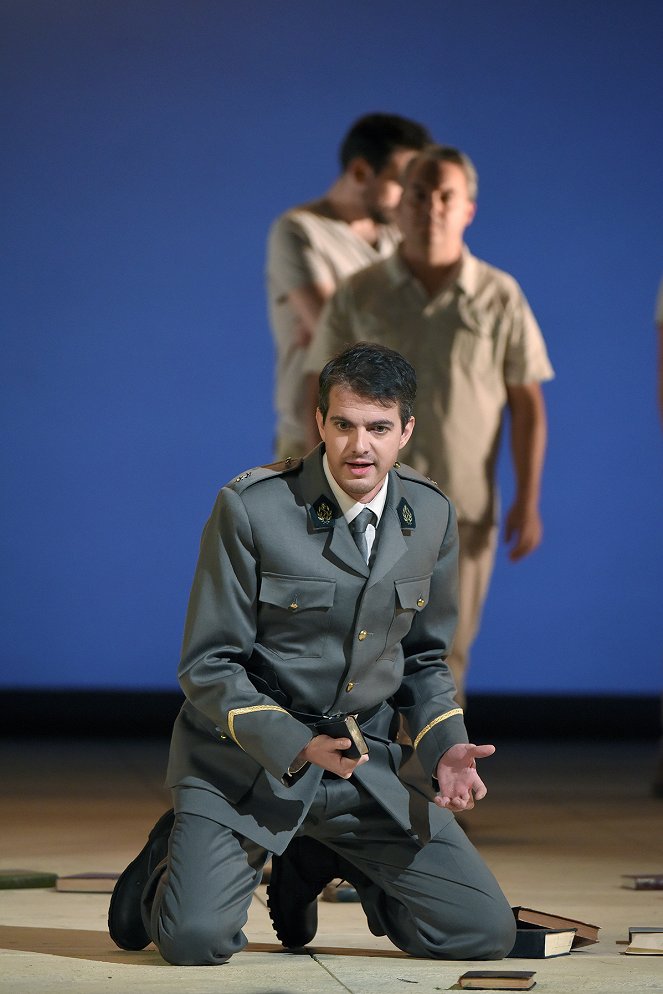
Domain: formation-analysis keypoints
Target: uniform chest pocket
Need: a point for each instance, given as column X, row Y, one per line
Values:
column 293, row 614
column 411, row 598
column 412, row 595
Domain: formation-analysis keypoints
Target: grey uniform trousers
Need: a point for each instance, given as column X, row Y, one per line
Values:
column 439, row 900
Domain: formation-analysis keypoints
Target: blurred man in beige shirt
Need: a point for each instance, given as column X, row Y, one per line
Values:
column 313, row 246
column 478, row 351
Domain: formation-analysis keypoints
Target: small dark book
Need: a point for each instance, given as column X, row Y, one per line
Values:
column 497, row 980
column 344, row 728
column 87, row 883
column 643, row 881
column 645, row 940
column 585, row 934
column 18, row 879
column 535, row 942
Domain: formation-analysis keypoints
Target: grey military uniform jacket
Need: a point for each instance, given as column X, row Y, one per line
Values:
column 286, row 620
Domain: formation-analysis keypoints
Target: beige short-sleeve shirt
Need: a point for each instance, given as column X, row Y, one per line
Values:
column 306, row 247
column 467, row 344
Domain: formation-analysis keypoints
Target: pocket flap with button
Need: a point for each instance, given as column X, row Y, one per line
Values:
column 413, row 594
column 296, row 593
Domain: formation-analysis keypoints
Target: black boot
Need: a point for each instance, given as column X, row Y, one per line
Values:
column 297, row 877
column 125, row 921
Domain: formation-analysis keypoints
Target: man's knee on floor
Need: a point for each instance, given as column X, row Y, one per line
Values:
column 492, row 935
column 486, row 935
column 196, row 944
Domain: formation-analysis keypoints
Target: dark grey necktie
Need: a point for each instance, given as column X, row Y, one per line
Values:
column 358, row 528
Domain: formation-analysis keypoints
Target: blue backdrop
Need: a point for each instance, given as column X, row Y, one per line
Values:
column 149, row 143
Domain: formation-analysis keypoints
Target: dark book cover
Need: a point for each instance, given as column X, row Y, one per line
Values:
column 18, row 879
column 643, row 881
column 585, row 932
column 497, row 980
column 534, row 942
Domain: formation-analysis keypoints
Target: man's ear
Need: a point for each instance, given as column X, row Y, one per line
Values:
column 320, row 422
column 360, row 170
column 407, row 433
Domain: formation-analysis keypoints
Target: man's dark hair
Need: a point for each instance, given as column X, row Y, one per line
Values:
column 375, row 137
column 374, row 372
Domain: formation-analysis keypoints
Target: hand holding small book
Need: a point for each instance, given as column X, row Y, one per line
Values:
column 459, row 783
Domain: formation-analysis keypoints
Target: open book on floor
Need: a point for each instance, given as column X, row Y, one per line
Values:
column 585, row 934
column 88, row 883
column 645, row 940
column 536, row 942
column 497, row 980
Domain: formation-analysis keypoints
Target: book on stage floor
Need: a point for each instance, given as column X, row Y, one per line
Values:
column 645, row 940
column 88, row 883
column 643, row 881
column 585, row 933
column 18, row 879
column 497, row 980
column 536, row 942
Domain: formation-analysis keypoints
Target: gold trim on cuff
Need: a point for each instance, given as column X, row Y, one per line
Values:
column 256, row 707
column 435, row 721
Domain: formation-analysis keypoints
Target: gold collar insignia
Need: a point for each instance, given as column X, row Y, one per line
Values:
column 406, row 515
column 323, row 512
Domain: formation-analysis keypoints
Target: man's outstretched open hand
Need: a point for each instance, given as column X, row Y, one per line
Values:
column 459, row 783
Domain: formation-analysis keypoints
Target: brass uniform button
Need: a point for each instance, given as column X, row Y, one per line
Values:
column 349, row 687
column 294, row 606
column 421, row 602
column 362, row 636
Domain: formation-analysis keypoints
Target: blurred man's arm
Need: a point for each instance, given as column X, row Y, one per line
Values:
column 523, row 527
column 307, row 303
column 298, row 273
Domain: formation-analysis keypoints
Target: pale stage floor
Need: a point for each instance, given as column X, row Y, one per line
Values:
column 562, row 822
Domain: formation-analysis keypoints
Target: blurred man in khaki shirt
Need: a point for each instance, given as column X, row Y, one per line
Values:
column 477, row 349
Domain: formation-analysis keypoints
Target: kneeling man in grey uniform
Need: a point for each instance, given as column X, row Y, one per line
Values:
column 322, row 612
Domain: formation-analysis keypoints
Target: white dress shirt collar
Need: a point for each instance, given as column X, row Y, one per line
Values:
column 348, row 505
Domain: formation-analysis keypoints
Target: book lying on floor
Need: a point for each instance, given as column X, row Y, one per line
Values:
column 643, row 881
column 536, row 942
column 585, row 933
column 645, row 940
column 88, row 883
column 497, row 980
column 18, row 879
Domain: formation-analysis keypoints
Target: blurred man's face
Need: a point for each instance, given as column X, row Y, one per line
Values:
column 384, row 189
column 434, row 211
